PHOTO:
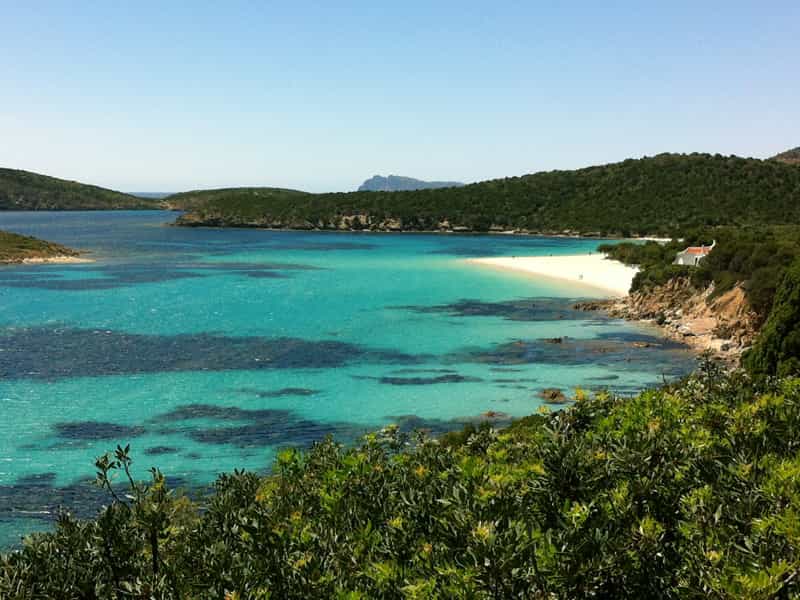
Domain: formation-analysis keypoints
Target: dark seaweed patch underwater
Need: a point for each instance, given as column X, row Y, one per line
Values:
column 56, row 353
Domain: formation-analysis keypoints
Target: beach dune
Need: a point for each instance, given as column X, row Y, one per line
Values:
column 607, row 277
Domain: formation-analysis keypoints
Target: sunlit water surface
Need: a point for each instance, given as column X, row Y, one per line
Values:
column 209, row 349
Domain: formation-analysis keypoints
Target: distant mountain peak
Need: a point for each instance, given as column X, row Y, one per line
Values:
column 791, row 157
column 398, row 183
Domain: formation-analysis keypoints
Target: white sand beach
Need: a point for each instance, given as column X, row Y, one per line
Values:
column 63, row 259
column 609, row 277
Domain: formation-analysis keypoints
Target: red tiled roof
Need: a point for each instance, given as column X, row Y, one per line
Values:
column 698, row 250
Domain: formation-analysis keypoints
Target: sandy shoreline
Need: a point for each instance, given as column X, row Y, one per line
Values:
column 608, row 277
column 678, row 311
column 41, row 260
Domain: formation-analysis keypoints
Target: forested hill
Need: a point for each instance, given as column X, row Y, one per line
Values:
column 238, row 201
column 651, row 195
column 23, row 190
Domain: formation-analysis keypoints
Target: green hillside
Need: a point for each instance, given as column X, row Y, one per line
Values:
column 16, row 248
column 23, row 190
column 654, row 195
column 241, row 203
column 777, row 350
column 757, row 257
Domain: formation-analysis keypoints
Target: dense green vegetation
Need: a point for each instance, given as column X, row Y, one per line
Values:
column 243, row 202
column 777, row 350
column 23, row 190
column 653, row 258
column 16, row 248
column 662, row 194
column 756, row 256
column 691, row 491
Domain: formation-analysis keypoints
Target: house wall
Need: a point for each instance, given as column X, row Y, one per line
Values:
column 690, row 260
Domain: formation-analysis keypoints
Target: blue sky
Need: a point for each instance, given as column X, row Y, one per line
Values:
column 321, row 95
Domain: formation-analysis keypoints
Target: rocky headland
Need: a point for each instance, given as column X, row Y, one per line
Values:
column 23, row 249
column 722, row 324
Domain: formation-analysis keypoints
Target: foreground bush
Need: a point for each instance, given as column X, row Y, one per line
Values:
column 685, row 492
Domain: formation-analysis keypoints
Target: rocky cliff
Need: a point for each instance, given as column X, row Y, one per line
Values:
column 790, row 157
column 721, row 323
column 209, row 217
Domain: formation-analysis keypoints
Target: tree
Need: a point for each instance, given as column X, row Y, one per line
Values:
column 777, row 351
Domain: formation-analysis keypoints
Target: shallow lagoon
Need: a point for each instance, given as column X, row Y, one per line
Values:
column 208, row 349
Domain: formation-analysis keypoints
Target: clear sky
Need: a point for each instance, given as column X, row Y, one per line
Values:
column 167, row 96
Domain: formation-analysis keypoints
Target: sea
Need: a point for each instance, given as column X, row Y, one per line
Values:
column 209, row 350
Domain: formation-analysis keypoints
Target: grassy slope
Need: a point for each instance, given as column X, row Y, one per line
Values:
column 15, row 248
column 23, row 190
column 651, row 195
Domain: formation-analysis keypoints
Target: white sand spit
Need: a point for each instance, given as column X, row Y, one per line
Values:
column 62, row 259
column 608, row 277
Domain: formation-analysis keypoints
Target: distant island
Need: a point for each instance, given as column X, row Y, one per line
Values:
column 397, row 183
column 656, row 195
column 16, row 248
column 791, row 157
column 23, row 190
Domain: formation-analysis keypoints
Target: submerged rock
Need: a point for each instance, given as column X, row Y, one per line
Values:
column 553, row 396
column 495, row 414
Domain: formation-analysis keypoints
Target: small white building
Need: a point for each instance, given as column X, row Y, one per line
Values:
column 693, row 255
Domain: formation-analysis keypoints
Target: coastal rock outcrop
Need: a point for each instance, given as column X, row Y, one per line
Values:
column 340, row 222
column 790, row 157
column 722, row 323
column 553, row 396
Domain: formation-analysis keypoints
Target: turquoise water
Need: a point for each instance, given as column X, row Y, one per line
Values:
column 208, row 349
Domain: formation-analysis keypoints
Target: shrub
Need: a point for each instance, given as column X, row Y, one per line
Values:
column 777, row 350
